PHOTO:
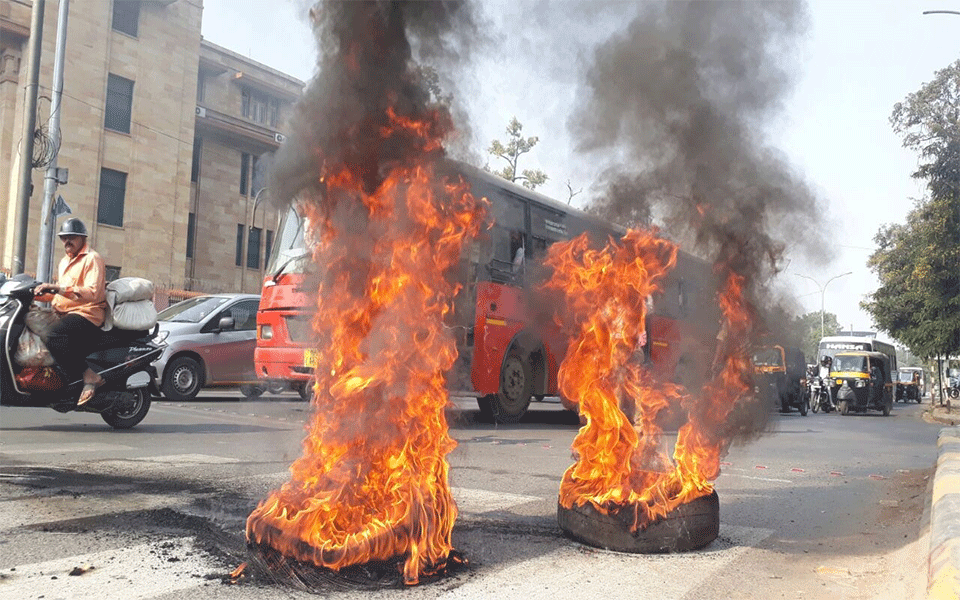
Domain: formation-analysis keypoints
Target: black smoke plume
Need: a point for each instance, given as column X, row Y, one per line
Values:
column 683, row 97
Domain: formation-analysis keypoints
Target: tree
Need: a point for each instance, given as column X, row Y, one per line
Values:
column 918, row 261
column 806, row 330
column 516, row 146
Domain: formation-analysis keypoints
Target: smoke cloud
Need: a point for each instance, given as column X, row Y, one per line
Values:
column 683, row 98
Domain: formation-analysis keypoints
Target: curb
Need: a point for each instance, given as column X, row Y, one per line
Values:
column 943, row 575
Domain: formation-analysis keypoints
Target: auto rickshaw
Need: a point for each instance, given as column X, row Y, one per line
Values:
column 780, row 375
column 862, row 381
column 909, row 384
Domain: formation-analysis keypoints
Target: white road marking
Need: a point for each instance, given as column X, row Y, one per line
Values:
column 469, row 500
column 49, row 509
column 576, row 571
column 20, row 449
column 757, row 478
column 129, row 573
column 188, row 459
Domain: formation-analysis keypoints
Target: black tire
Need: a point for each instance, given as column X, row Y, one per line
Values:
column 305, row 389
column 485, row 404
column 128, row 414
column 784, row 405
column 886, row 408
column 815, row 404
column 516, row 389
column 182, row 379
column 918, row 398
column 252, row 390
column 844, row 407
column 277, row 387
column 804, row 405
column 688, row 527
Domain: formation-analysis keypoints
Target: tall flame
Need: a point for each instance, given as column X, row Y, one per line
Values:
column 372, row 481
column 620, row 459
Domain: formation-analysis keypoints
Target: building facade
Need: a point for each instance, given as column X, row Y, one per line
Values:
column 167, row 138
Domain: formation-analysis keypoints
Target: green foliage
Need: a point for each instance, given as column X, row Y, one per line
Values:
column 511, row 151
column 806, row 329
column 918, row 261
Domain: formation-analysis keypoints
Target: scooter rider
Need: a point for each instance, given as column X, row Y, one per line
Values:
column 79, row 299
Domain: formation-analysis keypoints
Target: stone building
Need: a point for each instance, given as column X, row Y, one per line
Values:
column 167, row 139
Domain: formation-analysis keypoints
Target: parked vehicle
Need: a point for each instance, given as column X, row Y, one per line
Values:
column 211, row 342
column 781, row 377
column 909, row 384
column 862, row 381
column 123, row 360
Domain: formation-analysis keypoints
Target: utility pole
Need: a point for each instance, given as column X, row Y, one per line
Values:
column 26, row 136
column 53, row 176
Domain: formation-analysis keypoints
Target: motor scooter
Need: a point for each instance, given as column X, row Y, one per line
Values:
column 122, row 358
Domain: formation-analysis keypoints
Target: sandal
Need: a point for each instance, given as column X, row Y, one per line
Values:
column 89, row 390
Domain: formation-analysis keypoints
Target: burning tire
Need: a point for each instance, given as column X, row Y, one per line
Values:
column 688, row 527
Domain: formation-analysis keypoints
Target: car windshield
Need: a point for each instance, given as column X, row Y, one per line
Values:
column 850, row 363
column 767, row 357
column 906, row 376
column 192, row 310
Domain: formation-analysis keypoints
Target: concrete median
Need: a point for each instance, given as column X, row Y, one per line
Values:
column 944, row 563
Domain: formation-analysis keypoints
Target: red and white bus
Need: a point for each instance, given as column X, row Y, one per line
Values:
column 509, row 346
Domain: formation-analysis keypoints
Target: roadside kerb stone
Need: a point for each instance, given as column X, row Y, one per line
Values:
column 944, row 563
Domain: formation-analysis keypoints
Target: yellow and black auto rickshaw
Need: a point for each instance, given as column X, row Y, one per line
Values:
column 862, row 381
column 780, row 377
column 909, row 384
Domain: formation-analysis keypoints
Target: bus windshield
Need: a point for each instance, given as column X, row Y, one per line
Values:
column 290, row 254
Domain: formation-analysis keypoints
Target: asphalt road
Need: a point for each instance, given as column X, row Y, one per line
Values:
column 822, row 506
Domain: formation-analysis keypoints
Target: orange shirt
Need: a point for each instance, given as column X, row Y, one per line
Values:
column 83, row 288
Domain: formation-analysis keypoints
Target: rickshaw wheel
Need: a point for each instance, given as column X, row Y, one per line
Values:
column 844, row 408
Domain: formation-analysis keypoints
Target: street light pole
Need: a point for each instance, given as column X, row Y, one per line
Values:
column 823, row 290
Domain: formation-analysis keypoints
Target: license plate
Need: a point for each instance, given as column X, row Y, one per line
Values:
column 310, row 358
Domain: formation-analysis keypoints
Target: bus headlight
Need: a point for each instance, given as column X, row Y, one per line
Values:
column 266, row 332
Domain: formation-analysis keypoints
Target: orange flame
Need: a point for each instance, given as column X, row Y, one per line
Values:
column 620, row 460
column 372, row 483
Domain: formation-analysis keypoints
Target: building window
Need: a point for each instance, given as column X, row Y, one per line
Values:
column 195, row 166
column 269, row 246
column 201, row 86
column 244, row 172
column 259, row 107
column 238, row 255
column 113, row 188
column 126, row 16
column 116, row 116
column 253, row 248
column 111, row 273
column 191, row 233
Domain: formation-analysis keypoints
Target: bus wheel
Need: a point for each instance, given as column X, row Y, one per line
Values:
column 516, row 389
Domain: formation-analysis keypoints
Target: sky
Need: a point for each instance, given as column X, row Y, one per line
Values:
column 856, row 60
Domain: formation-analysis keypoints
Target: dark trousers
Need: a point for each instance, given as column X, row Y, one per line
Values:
column 71, row 339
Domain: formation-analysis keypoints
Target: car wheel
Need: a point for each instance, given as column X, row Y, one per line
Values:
column 252, row 390
column 277, row 387
column 305, row 389
column 183, row 379
column 129, row 412
column 516, row 389
column 844, row 408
